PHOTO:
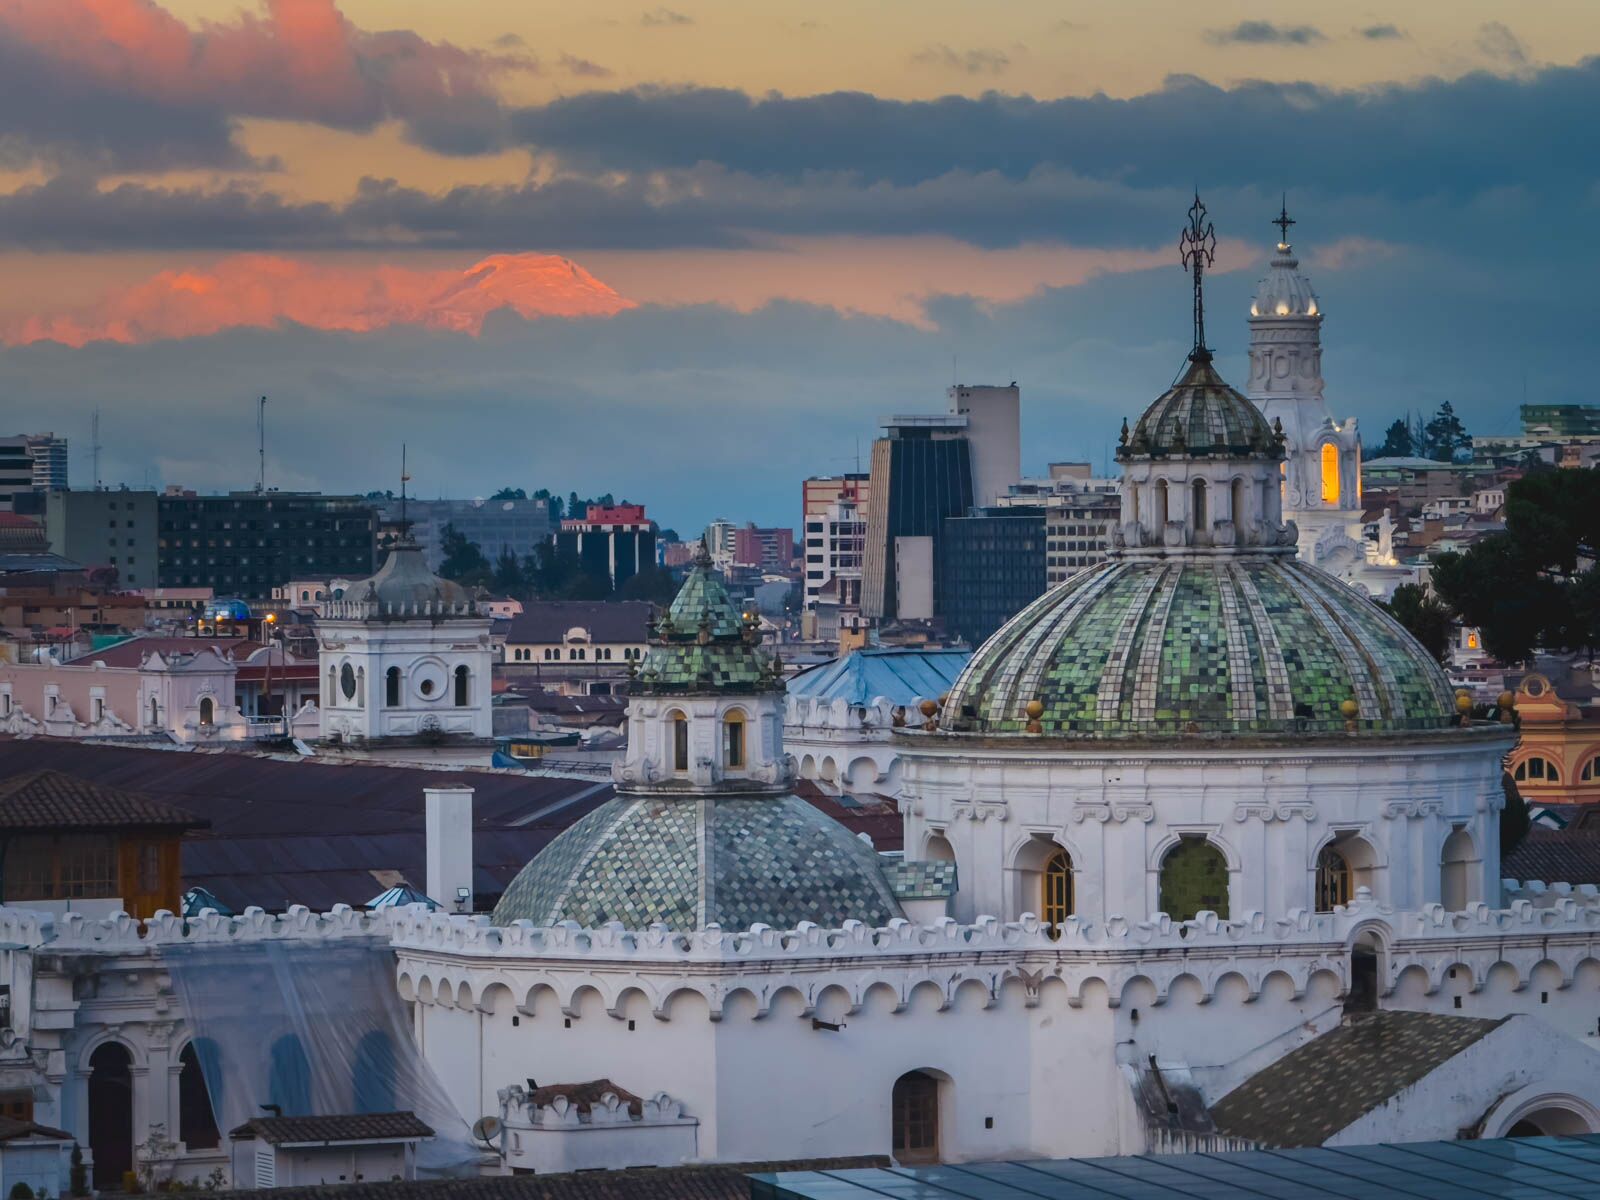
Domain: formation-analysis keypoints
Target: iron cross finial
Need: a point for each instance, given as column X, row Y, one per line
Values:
column 1198, row 250
column 1284, row 221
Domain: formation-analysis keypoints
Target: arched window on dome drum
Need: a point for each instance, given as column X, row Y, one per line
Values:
column 1330, row 473
column 1163, row 514
column 680, row 742
column 733, row 740
column 1194, row 879
column 463, row 687
column 391, row 687
column 1456, row 861
column 1198, row 506
column 1333, row 880
column 1055, row 888
column 1239, row 506
column 1540, row 770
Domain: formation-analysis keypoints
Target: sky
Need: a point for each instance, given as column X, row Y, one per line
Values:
column 691, row 253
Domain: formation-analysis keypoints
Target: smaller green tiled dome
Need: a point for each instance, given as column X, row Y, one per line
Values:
column 1200, row 416
column 692, row 862
column 704, row 644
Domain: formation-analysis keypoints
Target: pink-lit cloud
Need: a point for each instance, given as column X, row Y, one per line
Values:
column 293, row 60
column 261, row 290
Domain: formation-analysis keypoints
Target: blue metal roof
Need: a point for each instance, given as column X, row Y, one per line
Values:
column 899, row 675
column 1500, row 1167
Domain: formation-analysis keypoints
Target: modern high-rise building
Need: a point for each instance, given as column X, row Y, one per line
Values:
column 1561, row 420
column 921, row 474
column 613, row 541
column 994, row 427
column 496, row 527
column 49, row 454
column 767, row 549
column 833, row 514
column 245, row 543
column 991, row 566
column 106, row 527
column 1079, row 511
column 16, row 470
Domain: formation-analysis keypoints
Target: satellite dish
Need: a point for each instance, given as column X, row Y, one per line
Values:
column 507, row 505
column 477, row 502
column 486, row 1129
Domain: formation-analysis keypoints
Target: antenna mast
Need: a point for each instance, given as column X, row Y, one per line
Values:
column 405, row 526
column 94, row 448
column 261, row 445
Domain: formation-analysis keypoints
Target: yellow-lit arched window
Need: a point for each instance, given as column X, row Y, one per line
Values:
column 1330, row 473
column 680, row 742
column 1333, row 880
column 733, row 740
column 1055, row 900
column 1591, row 769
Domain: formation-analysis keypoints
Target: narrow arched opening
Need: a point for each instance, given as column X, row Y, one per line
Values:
column 208, row 711
column 1456, row 862
column 377, row 1070
column 1197, row 507
column 1238, row 503
column 197, row 1118
column 289, row 1077
column 733, row 741
column 111, row 1114
column 1163, row 511
column 679, row 724
column 391, row 687
column 1330, row 473
column 463, row 687
column 1333, row 880
column 1194, row 879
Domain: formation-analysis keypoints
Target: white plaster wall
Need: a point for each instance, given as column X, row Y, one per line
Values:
column 415, row 647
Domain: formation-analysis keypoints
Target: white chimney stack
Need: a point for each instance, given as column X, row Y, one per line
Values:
column 449, row 834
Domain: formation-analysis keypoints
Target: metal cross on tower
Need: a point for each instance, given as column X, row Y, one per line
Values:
column 1284, row 221
column 1198, row 250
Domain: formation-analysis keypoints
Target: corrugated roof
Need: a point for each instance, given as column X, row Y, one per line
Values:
column 898, row 675
column 606, row 621
column 56, row 801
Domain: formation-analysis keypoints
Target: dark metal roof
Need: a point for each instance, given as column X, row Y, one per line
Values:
column 1542, row 1167
column 318, row 833
column 340, row 1127
column 53, row 801
column 1332, row 1081
column 15, row 1128
column 1570, row 855
column 613, row 621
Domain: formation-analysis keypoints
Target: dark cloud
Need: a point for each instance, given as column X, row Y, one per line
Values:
column 977, row 61
column 1500, row 45
column 1453, row 137
column 573, row 65
column 1265, row 33
column 1380, row 33
column 661, row 18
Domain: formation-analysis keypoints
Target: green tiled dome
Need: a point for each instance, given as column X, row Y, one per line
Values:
column 693, row 862
column 704, row 644
column 1229, row 645
column 1201, row 416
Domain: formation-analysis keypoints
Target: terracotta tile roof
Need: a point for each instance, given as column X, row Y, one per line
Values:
column 707, row 1181
column 54, row 800
column 1332, row 1081
column 341, row 1127
column 1570, row 855
column 585, row 1096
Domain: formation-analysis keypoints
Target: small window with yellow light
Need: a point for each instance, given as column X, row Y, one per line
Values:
column 1330, row 473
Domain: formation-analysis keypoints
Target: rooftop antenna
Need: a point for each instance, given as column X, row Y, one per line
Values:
column 261, row 445
column 94, row 447
column 405, row 527
column 1197, row 250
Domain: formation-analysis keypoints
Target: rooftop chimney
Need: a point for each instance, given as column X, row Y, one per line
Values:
column 448, row 825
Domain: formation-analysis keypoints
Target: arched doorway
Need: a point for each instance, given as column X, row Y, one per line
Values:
column 915, row 1118
column 208, row 711
column 1365, row 963
column 111, row 1114
column 1194, row 879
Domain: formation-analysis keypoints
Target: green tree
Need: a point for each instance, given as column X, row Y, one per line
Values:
column 508, row 577
column 653, row 583
column 509, row 493
column 1537, row 585
column 1424, row 617
column 1445, row 436
column 1397, row 442
column 1515, row 820
column 553, row 501
column 463, row 560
